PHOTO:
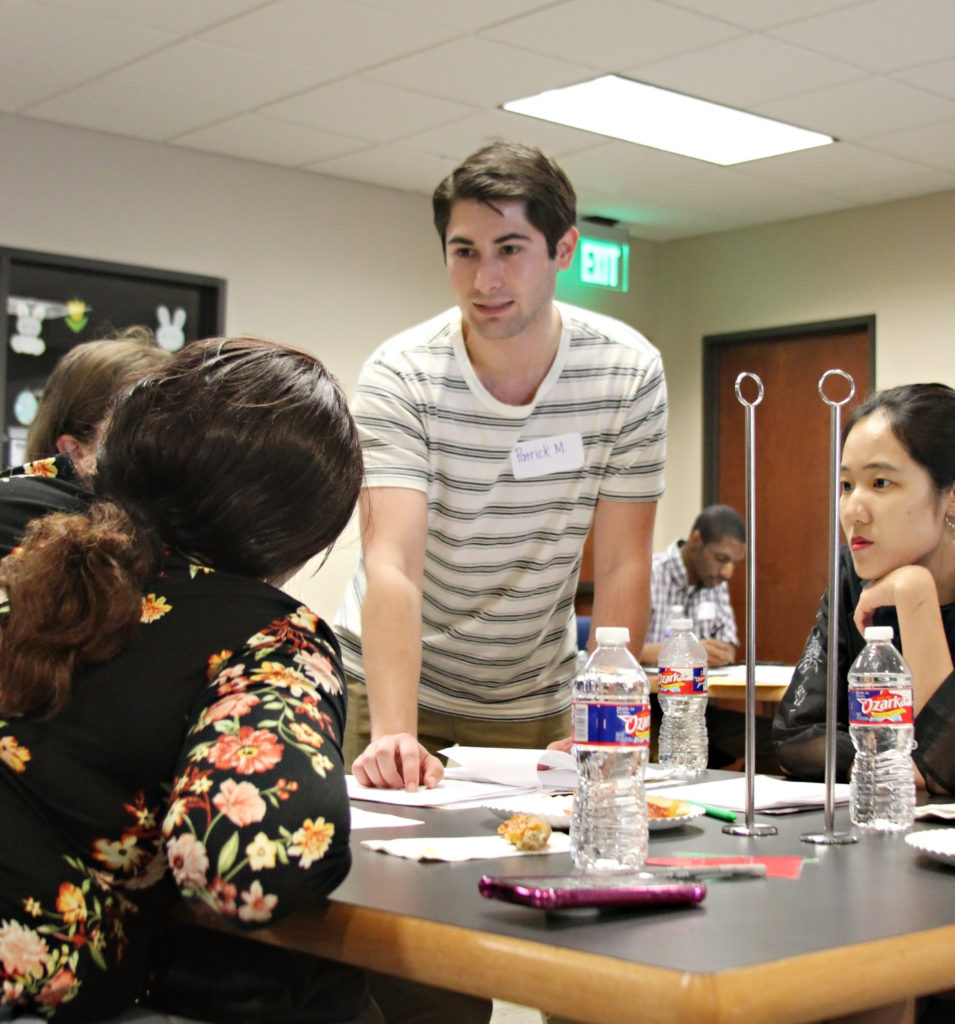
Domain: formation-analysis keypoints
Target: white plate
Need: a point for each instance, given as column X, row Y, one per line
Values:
column 661, row 824
column 555, row 810
column 937, row 843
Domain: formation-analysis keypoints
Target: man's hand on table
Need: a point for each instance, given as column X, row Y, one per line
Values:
column 718, row 652
column 397, row 761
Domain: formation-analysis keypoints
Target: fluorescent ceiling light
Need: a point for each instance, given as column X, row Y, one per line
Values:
column 645, row 114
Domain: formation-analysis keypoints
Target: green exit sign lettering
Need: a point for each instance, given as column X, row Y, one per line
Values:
column 604, row 264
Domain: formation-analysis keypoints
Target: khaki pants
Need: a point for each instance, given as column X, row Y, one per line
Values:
column 436, row 730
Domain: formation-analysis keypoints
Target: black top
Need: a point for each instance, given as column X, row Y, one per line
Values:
column 800, row 724
column 216, row 733
column 26, row 492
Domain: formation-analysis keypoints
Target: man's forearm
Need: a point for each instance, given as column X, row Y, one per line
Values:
column 391, row 652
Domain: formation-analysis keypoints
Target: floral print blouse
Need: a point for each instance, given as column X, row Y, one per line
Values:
column 204, row 759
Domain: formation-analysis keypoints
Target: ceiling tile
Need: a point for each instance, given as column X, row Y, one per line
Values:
column 334, row 33
column 370, row 109
column 745, row 71
column 916, row 184
column 390, row 168
column 20, row 87
column 931, row 145
column 462, row 15
column 857, row 109
column 834, row 168
column 618, row 168
column 654, row 222
column 611, row 33
column 461, row 138
column 479, row 72
column 234, row 79
column 759, row 14
column 938, row 77
column 881, row 35
column 111, row 108
column 40, row 38
column 250, row 137
column 179, row 17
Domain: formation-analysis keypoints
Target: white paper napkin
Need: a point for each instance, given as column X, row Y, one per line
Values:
column 453, row 848
column 944, row 811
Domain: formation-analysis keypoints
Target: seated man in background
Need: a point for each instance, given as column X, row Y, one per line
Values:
column 694, row 574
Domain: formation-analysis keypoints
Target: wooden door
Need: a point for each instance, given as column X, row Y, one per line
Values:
column 791, row 470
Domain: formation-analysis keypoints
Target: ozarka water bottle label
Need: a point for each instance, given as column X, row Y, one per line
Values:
column 687, row 682
column 880, row 707
column 612, row 725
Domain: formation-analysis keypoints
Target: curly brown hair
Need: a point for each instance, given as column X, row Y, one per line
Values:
column 238, row 452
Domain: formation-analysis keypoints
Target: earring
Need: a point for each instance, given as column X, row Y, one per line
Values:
column 950, row 520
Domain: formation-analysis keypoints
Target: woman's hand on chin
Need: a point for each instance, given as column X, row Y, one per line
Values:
column 908, row 586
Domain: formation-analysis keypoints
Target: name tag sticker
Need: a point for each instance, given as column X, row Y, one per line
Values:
column 706, row 611
column 545, row 455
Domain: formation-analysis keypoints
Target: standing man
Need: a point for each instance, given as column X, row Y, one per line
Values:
column 694, row 573
column 494, row 435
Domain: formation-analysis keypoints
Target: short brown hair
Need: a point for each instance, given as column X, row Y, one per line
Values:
column 508, row 171
column 81, row 386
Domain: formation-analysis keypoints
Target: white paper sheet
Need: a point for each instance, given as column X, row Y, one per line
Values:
column 447, row 792
column 774, row 795
column 360, row 818
column 509, row 766
column 455, row 848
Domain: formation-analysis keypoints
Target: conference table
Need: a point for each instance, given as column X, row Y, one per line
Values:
column 863, row 925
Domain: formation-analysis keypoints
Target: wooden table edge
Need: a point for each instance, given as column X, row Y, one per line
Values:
column 604, row 990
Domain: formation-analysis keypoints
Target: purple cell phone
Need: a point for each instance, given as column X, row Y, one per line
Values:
column 558, row 892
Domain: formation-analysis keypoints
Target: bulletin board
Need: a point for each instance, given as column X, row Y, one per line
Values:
column 54, row 302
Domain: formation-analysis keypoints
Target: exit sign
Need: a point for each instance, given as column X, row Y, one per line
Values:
column 604, row 264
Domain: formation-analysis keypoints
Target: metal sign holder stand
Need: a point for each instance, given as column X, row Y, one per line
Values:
column 829, row 836
column 750, row 828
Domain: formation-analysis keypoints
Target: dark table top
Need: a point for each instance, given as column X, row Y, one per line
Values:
column 845, row 894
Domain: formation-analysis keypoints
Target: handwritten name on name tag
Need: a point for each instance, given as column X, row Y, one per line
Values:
column 546, row 455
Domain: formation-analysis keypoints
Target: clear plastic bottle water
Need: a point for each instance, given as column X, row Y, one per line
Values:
column 676, row 612
column 681, row 690
column 882, row 787
column 611, row 733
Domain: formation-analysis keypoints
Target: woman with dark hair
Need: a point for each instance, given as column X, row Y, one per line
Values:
column 897, row 509
column 170, row 719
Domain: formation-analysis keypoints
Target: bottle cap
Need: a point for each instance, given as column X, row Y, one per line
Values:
column 682, row 624
column 879, row 633
column 613, row 635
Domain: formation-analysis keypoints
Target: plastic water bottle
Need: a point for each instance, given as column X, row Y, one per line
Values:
column 676, row 612
column 681, row 690
column 882, row 787
column 611, row 733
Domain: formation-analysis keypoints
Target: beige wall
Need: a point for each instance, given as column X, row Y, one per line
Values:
column 336, row 267
column 894, row 260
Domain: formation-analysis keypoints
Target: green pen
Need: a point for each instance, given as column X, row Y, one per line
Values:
column 714, row 812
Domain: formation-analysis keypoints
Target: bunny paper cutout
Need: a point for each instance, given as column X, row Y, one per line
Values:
column 169, row 334
column 27, row 340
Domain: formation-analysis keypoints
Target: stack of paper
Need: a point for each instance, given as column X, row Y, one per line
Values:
column 771, row 796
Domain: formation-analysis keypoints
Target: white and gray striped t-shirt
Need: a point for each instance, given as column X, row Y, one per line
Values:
column 511, row 494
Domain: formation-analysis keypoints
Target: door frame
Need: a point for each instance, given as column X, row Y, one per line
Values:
column 711, row 345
